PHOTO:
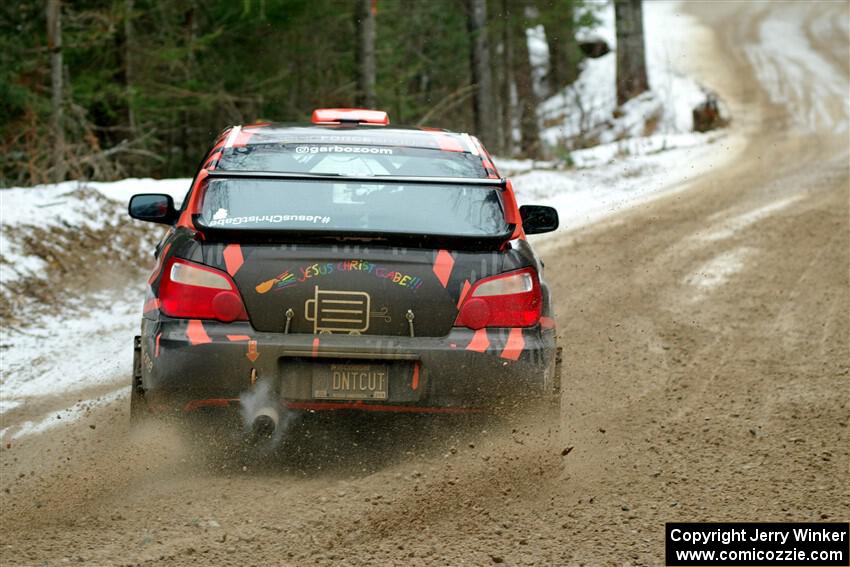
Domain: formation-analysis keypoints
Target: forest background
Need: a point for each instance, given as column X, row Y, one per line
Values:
column 107, row 89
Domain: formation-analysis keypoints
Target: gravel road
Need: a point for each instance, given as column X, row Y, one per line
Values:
column 706, row 377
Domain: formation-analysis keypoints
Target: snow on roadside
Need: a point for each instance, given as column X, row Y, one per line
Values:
column 63, row 355
column 51, row 203
column 62, row 417
column 586, row 113
column 69, row 354
column 69, row 204
column 588, row 194
column 60, row 353
column 636, row 152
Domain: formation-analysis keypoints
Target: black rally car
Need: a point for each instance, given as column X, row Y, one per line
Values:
column 351, row 266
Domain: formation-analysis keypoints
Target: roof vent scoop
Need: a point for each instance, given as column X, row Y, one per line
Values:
column 350, row 116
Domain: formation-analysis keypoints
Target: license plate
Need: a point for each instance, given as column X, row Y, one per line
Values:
column 351, row 382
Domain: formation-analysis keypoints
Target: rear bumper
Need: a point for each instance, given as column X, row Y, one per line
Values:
column 194, row 364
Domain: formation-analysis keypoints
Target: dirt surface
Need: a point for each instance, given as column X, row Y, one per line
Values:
column 706, row 378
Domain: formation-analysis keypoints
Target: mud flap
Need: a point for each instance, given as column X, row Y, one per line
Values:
column 137, row 361
column 137, row 393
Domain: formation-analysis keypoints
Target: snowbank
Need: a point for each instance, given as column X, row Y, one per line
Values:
column 586, row 112
column 71, row 204
column 51, row 204
column 66, row 354
column 69, row 350
column 616, row 158
column 615, row 176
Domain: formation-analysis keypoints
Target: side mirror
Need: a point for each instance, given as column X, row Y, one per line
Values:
column 153, row 207
column 537, row 219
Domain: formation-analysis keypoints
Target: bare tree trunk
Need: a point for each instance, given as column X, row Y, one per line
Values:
column 129, row 70
column 559, row 30
column 57, row 122
column 507, row 145
column 365, row 21
column 497, row 52
column 192, row 27
column 526, row 98
column 482, row 77
column 498, row 103
column 631, row 60
column 555, row 72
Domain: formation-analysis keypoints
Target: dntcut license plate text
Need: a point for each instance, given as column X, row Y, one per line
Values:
column 351, row 382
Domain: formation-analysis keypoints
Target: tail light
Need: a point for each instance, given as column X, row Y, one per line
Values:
column 192, row 291
column 507, row 300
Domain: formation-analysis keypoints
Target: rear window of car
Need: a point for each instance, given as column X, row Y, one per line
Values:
column 353, row 207
column 352, row 159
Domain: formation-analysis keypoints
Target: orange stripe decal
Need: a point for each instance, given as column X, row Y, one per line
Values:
column 156, row 346
column 492, row 173
column 547, row 322
column 511, row 208
column 196, row 333
column 195, row 196
column 415, row 383
column 242, row 139
column 443, row 265
column 233, row 258
column 213, row 159
column 514, row 346
column 464, row 290
column 479, row 342
column 252, row 353
column 448, row 143
column 238, row 338
column 315, row 347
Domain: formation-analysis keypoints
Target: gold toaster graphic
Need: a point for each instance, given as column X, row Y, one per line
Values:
column 338, row 311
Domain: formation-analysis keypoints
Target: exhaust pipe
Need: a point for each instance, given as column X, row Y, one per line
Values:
column 264, row 423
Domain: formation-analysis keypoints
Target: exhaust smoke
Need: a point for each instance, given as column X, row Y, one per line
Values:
column 264, row 419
